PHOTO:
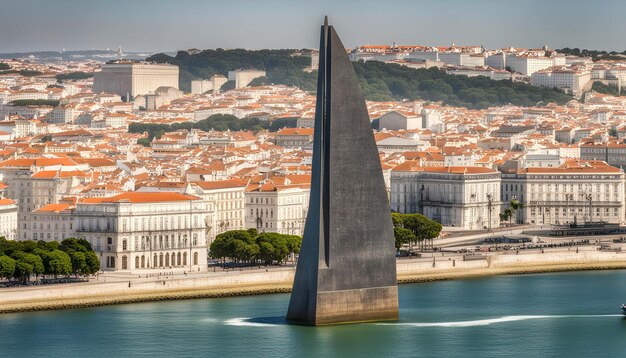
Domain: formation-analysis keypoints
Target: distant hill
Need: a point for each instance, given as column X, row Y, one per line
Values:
column 282, row 66
column 379, row 81
column 96, row 55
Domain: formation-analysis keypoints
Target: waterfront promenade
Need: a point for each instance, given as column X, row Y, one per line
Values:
column 125, row 288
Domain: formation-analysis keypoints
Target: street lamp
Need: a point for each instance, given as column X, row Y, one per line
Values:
column 569, row 197
column 489, row 199
column 514, row 198
column 588, row 196
column 259, row 223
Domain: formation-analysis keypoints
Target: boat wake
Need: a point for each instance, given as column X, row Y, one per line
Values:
column 279, row 321
column 252, row 322
column 490, row 321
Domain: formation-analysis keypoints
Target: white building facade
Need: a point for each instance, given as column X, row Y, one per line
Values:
column 130, row 79
column 278, row 205
column 465, row 197
column 577, row 191
column 140, row 231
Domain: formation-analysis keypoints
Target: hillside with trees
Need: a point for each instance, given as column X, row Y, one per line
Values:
column 379, row 81
column 608, row 89
column 281, row 66
column 596, row 55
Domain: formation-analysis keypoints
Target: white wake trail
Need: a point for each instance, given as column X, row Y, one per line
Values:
column 242, row 322
column 490, row 321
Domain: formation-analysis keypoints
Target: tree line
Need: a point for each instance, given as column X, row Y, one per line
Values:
column 611, row 89
column 379, row 81
column 409, row 229
column 385, row 82
column 218, row 122
column 251, row 247
column 21, row 260
column 595, row 55
column 25, row 73
column 35, row 102
column 78, row 75
column 281, row 66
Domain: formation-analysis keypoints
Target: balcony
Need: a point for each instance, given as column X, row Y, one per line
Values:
column 96, row 230
column 580, row 203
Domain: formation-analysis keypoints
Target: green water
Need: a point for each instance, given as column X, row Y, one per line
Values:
column 548, row 315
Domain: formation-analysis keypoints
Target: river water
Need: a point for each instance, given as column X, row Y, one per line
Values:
column 547, row 315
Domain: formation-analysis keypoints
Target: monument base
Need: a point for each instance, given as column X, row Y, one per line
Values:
column 354, row 306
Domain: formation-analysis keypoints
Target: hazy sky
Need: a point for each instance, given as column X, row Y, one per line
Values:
column 168, row 25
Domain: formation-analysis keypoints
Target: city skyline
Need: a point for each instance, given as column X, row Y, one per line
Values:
column 164, row 27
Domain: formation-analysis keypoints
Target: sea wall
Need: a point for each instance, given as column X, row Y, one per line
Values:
column 236, row 283
column 223, row 281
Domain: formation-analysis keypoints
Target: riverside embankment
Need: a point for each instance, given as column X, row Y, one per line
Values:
column 279, row 280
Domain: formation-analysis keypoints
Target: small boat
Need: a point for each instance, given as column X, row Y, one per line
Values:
column 623, row 308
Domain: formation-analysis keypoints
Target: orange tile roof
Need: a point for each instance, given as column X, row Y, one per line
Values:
column 6, row 201
column 221, row 184
column 96, row 162
column 53, row 208
column 575, row 166
column 413, row 166
column 143, row 197
column 295, row 131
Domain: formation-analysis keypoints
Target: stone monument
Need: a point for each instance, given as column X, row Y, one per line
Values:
column 347, row 267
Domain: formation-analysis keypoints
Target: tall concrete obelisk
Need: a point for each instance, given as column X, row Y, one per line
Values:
column 346, row 269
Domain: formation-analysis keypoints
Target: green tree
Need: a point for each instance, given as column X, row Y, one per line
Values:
column 279, row 244
column 504, row 215
column 396, row 219
column 231, row 244
column 424, row 229
column 79, row 262
column 507, row 214
column 59, row 263
column 266, row 253
column 294, row 243
column 402, row 236
column 93, row 263
column 27, row 264
column 7, row 266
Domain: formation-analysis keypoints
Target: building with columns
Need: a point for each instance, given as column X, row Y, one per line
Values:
column 138, row 231
column 578, row 191
column 465, row 197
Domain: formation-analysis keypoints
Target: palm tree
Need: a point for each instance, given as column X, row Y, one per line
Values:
column 507, row 214
column 515, row 205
